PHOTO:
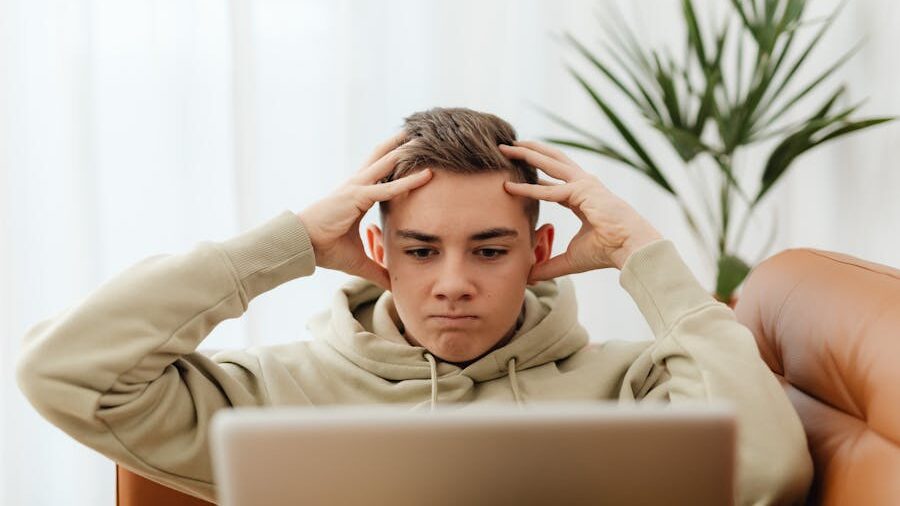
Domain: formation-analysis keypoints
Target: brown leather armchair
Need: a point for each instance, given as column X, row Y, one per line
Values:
column 828, row 325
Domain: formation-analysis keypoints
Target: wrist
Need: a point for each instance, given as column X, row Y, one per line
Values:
column 633, row 244
column 310, row 232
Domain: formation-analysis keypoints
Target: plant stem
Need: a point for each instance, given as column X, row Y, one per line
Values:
column 724, row 199
column 743, row 227
column 701, row 192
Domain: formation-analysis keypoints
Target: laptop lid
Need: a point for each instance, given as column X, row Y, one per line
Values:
column 550, row 453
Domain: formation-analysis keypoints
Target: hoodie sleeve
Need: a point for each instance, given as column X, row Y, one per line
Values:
column 118, row 371
column 702, row 353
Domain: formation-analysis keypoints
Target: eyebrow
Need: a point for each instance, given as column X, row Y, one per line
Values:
column 484, row 235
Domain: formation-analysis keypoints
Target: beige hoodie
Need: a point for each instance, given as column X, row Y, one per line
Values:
column 118, row 371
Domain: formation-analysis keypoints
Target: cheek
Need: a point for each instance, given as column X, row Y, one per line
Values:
column 516, row 267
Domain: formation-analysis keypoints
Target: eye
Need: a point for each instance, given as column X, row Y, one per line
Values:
column 492, row 253
column 420, row 253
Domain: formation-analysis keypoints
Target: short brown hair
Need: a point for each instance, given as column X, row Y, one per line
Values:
column 462, row 141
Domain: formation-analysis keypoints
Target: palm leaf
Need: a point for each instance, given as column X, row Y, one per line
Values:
column 625, row 133
column 853, row 126
column 669, row 94
column 695, row 41
column 601, row 149
column 565, row 123
column 646, row 106
column 776, row 92
column 642, row 86
column 805, row 139
column 815, row 82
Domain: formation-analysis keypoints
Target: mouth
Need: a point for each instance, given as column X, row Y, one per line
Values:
column 453, row 320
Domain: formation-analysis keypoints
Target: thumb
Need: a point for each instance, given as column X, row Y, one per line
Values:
column 375, row 273
column 552, row 268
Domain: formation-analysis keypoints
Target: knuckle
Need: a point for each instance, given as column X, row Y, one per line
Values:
column 589, row 179
column 358, row 195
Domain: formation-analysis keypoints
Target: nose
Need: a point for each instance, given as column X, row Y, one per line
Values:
column 453, row 282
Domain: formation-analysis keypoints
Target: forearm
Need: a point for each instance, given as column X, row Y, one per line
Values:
column 709, row 356
column 129, row 330
column 116, row 371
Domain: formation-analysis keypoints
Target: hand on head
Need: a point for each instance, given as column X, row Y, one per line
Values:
column 333, row 222
column 611, row 229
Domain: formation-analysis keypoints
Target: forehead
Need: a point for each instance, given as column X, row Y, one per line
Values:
column 458, row 204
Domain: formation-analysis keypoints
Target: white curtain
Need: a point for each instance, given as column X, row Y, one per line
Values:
column 130, row 128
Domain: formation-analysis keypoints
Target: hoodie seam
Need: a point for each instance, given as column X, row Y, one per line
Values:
column 237, row 289
column 164, row 343
column 264, row 269
column 671, row 336
column 668, row 327
column 648, row 292
column 702, row 372
column 109, row 426
column 671, row 327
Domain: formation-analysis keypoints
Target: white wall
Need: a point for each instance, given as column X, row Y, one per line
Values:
column 129, row 128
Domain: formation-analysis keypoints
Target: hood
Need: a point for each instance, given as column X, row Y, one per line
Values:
column 360, row 327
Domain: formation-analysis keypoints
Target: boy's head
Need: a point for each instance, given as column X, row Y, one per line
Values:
column 459, row 250
column 460, row 141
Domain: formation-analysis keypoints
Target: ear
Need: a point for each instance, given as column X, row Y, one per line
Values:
column 543, row 246
column 375, row 240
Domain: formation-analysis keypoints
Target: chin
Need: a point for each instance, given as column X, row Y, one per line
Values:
column 452, row 352
column 456, row 359
column 453, row 356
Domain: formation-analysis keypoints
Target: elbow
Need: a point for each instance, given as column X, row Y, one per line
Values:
column 783, row 476
column 40, row 378
column 30, row 380
column 796, row 476
column 790, row 480
column 31, row 365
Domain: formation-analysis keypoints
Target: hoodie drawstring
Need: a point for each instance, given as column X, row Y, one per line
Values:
column 434, row 385
column 511, row 369
column 513, row 380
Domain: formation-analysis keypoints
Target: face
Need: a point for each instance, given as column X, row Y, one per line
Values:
column 459, row 254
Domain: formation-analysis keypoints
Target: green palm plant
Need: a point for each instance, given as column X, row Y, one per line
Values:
column 729, row 91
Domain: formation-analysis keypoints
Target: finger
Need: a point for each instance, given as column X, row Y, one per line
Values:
column 550, row 192
column 385, row 147
column 375, row 273
column 552, row 268
column 552, row 167
column 547, row 150
column 386, row 191
column 544, row 182
column 565, row 203
column 381, row 168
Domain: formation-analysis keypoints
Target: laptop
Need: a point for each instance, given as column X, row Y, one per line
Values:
column 546, row 453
